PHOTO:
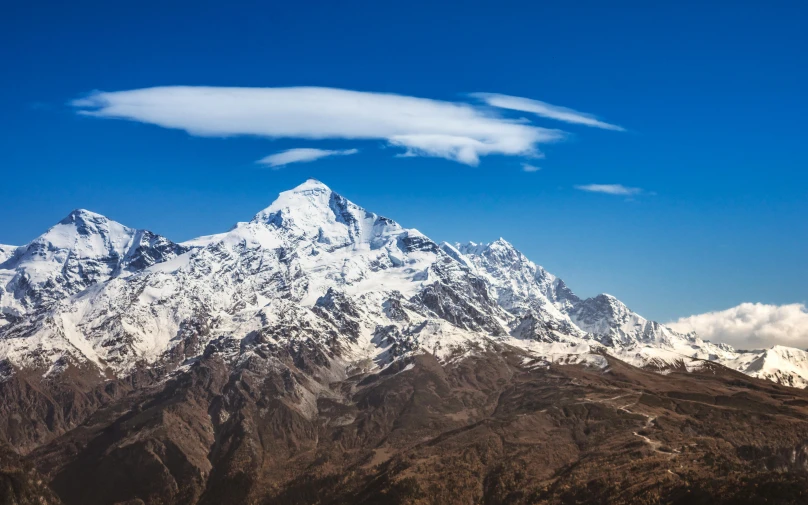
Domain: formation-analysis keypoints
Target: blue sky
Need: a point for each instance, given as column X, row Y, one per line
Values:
column 712, row 99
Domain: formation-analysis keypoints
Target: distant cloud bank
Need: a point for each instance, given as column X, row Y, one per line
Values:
column 458, row 131
column 610, row 189
column 301, row 155
column 751, row 325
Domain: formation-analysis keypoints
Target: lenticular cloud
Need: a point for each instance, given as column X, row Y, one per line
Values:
column 544, row 110
column 457, row 131
column 301, row 155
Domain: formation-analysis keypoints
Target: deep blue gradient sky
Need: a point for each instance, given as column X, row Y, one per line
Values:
column 713, row 97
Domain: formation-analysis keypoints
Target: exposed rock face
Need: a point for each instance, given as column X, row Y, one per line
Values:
column 320, row 353
column 20, row 483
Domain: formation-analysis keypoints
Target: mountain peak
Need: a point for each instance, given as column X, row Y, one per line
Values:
column 311, row 184
column 605, row 303
column 475, row 248
column 314, row 212
column 83, row 215
column 81, row 250
column 309, row 202
column 82, row 224
column 308, row 187
column 501, row 242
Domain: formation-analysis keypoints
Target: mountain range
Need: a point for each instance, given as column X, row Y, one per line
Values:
column 321, row 353
column 93, row 292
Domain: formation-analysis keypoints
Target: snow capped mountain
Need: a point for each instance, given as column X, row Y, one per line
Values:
column 318, row 273
column 308, row 241
column 349, row 246
column 609, row 318
column 518, row 283
column 785, row 365
column 81, row 250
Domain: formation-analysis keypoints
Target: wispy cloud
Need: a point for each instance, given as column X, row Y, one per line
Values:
column 527, row 167
column 751, row 325
column 544, row 109
column 457, row 131
column 610, row 189
column 301, row 155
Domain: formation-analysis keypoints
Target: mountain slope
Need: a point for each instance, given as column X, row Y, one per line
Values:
column 6, row 251
column 491, row 428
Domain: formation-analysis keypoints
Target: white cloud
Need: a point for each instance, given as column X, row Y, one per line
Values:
column 301, row 155
column 527, row 167
column 544, row 110
column 422, row 127
column 751, row 325
column 610, row 189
